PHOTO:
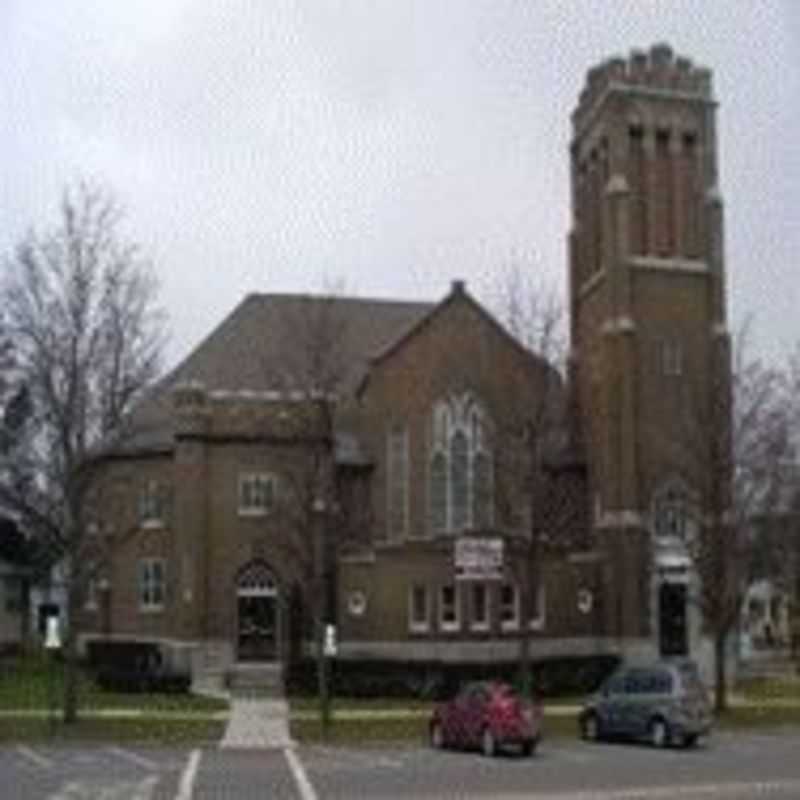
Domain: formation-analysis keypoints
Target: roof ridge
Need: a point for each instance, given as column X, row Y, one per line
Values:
column 350, row 298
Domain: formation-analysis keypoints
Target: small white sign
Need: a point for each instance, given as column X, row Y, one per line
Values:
column 478, row 558
column 329, row 647
column 52, row 639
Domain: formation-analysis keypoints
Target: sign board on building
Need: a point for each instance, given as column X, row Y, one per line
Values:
column 478, row 558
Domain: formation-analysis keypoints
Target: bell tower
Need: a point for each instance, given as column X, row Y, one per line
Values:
column 647, row 305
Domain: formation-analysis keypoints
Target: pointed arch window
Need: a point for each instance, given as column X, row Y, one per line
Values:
column 671, row 513
column 460, row 489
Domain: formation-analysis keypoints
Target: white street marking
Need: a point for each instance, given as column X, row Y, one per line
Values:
column 188, row 776
column 121, row 790
column 144, row 791
column 299, row 774
column 133, row 758
column 743, row 789
column 32, row 755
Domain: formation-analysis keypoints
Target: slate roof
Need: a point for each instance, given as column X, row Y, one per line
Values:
column 263, row 344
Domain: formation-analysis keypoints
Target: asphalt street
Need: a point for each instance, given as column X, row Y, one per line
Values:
column 735, row 766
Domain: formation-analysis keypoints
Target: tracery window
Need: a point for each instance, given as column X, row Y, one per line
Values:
column 460, row 483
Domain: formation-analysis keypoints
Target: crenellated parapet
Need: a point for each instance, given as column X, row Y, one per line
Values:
column 215, row 414
column 657, row 71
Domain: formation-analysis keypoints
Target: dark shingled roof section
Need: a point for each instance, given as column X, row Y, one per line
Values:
column 259, row 347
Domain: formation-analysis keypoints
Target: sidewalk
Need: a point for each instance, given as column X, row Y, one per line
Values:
column 257, row 723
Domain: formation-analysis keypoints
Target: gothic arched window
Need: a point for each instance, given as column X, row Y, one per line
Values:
column 670, row 513
column 460, row 467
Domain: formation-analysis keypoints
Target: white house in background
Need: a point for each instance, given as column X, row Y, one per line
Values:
column 49, row 599
column 765, row 617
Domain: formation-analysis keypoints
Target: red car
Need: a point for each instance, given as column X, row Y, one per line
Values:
column 488, row 716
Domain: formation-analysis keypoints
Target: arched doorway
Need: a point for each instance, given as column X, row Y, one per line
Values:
column 257, row 613
column 673, row 568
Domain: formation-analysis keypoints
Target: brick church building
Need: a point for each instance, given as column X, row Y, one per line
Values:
column 415, row 475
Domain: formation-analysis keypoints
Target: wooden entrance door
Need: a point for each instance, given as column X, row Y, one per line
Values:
column 257, row 611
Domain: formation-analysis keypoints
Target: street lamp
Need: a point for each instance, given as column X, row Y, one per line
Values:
column 52, row 642
column 104, row 588
column 325, row 635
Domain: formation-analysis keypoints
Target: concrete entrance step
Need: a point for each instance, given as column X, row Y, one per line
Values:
column 256, row 679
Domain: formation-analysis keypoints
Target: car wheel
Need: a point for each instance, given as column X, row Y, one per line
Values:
column 488, row 743
column 437, row 736
column 529, row 747
column 658, row 733
column 590, row 728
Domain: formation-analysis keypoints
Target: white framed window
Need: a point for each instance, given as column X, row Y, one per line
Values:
column 449, row 611
column 419, row 612
column 397, row 481
column 153, row 500
column 671, row 358
column 671, row 513
column 479, row 608
column 460, row 467
column 152, row 584
column 256, row 494
column 538, row 615
column 509, row 607
column 90, row 594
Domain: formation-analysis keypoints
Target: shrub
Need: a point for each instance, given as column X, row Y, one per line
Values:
column 133, row 666
column 436, row 680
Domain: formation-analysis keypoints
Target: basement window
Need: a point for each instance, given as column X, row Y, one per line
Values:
column 479, row 607
column 449, row 617
column 418, row 609
column 509, row 607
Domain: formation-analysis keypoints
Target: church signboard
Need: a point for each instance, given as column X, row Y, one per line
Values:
column 478, row 558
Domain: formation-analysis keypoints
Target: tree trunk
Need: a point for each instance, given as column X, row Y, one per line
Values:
column 524, row 664
column 720, row 682
column 322, row 679
column 70, row 656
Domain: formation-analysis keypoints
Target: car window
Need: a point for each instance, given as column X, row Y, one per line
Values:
column 663, row 682
column 655, row 681
column 635, row 682
column 615, row 684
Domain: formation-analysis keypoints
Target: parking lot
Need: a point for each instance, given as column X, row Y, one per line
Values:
column 729, row 766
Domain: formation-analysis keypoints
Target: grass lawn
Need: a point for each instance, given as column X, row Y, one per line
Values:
column 761, row 717
column 409, row 730
column 363, row 704
column 770, row 689
column 143, row 731
column 26, row 683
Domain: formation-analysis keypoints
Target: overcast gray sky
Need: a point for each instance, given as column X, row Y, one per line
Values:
column 396, row 145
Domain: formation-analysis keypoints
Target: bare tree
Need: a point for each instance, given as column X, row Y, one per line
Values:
column 530, row 440
column 314, row 521
column 81, row 320
column 731, row 455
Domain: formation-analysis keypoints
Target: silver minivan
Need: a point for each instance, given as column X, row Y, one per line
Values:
column 664, row 703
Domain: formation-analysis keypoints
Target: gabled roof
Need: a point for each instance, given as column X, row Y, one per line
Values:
column 263, row 345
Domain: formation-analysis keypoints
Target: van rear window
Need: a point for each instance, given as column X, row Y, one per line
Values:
column 690, row 678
